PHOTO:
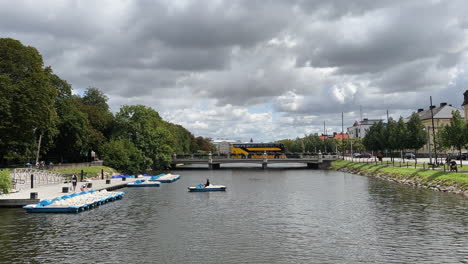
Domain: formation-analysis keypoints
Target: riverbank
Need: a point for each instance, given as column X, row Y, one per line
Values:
column 429, row 179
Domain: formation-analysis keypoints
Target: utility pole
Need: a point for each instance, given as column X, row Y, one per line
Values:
column 387, row 116
column 342, row 135
column 360, row 111
column 38, row 148
column 433, row 131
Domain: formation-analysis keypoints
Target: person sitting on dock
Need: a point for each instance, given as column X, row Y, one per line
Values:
column 207, row 183
column 84, row 187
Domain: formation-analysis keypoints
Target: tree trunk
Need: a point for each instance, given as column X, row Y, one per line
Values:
column 461, row 158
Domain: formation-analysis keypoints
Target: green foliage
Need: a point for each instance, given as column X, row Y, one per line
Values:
column 143, row 127
column 73, row 139
column 204, row 145
column 313, row 143
column 416, row 136
column 376, row 138
column 402, row 135
column 35, row 103
column 94, row 105
column 396, row 135
column 27, row 100
column 5, row 181
column 88, row 172
column 124, row 156
column 455, row 134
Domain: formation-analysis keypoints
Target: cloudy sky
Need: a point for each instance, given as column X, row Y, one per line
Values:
column 262, row 69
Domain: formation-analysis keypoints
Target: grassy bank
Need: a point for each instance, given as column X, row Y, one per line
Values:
column 89, row 172
column 428, row 178
column 5, row 181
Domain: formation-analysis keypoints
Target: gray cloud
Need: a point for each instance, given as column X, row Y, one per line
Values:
column 206, row 64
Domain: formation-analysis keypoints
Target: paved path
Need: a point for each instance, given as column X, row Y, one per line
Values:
column 46, row 192
column 421, row 161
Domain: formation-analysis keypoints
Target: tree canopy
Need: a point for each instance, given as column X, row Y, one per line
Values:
column 27, row 100
column 37, row 104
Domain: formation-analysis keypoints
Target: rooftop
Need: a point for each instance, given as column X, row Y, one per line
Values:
column 444, row 111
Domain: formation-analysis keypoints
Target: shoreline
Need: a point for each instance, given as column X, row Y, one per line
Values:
column 412, row 177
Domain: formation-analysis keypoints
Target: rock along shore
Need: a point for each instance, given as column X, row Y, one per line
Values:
column 407, row 181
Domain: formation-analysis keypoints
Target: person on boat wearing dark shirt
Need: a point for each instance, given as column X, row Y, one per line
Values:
column 207, row 183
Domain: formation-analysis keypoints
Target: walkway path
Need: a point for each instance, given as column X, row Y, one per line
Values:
column 50, row 191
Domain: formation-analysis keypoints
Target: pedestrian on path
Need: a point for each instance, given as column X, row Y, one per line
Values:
column 74, row 182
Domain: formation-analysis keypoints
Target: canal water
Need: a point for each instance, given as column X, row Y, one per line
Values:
column 265, row 216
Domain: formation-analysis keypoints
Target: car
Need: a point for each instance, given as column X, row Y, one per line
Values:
column 463, row 156
column 410, row 156
column 365, row 155
column 356, row 155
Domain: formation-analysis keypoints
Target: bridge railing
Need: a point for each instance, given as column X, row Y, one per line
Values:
column 215, row 156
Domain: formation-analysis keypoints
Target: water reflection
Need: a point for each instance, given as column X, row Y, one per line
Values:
column 265, row 216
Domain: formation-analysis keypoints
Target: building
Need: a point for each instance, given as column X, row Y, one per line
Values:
column 360, row 129
column 339, row 136
column 223, row 146
column 442, row 116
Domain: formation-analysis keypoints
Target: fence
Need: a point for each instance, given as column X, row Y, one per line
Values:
column 425, row 166
column 21, row 178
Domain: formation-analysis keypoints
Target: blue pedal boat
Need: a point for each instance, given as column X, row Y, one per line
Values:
column 209, row 188
column 144, row 183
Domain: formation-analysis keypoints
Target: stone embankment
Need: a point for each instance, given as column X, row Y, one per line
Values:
column 408, row 181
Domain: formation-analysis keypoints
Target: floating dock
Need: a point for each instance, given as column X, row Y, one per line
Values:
column 168, row 178
column 50, row 191
column 144, row 183
column 74, row 203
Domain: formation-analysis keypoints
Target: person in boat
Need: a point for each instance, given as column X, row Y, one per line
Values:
column 207, row 183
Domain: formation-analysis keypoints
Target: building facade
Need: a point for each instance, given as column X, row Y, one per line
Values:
column 223, row 146
column 442, row 116
column 360, row 129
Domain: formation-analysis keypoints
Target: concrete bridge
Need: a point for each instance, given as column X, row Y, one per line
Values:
column 214, row 161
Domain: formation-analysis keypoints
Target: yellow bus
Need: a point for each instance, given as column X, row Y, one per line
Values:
column 256, row 150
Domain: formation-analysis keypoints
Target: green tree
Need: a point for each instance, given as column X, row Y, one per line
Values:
column 26, row 99
column 375, row 139
column 143, row 127
column 72, row 143
column 392, row 136
column 122, row 155
column 402, row 136
column 94, row 105
column 5, row 181
column 454, row 135
column 416, row 136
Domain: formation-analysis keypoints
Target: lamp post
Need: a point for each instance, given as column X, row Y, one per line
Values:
column 433, row 131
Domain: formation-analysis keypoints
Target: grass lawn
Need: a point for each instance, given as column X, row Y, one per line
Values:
column 426, row 177
column 89, row 172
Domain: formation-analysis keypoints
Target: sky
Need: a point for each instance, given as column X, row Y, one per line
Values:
column 266, row 70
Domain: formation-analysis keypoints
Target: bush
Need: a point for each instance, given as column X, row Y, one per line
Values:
column 125, row 157
column 5, row 181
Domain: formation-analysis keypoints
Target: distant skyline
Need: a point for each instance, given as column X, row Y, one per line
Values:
column 266, row 70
